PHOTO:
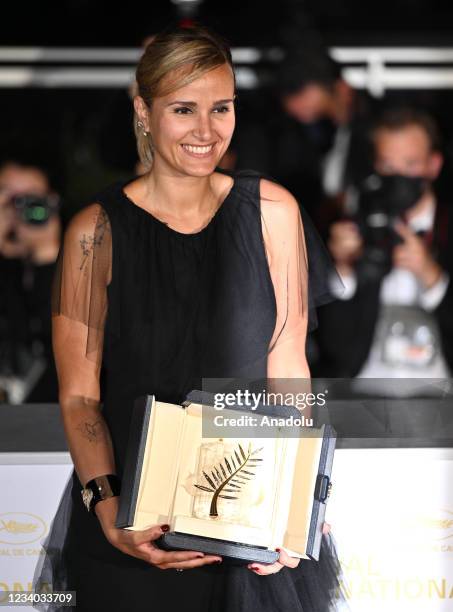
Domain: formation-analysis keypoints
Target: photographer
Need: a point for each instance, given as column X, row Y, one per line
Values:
column 29, row 243
column 394, row 256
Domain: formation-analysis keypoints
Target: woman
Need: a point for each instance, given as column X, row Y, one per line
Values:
column 182, row 273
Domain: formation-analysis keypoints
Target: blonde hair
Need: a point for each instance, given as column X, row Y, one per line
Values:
column 187, row 52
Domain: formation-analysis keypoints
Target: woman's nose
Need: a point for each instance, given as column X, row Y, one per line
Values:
column 203, row 129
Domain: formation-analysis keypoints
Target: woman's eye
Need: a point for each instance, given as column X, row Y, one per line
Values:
column 183, row 110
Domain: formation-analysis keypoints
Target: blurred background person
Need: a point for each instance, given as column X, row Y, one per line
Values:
column 314, row 93
column 314, row 138
column 394, row 256
column 29, row 242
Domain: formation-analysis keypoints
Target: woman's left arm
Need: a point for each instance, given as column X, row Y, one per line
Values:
column 284, row 240
column 286, row 252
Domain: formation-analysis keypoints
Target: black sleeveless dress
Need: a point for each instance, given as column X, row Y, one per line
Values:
column 182, row 307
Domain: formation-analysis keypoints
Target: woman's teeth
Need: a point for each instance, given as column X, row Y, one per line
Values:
column 198, row 150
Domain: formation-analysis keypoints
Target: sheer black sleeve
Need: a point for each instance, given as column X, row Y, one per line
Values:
column 82, row 273
column 300, row 268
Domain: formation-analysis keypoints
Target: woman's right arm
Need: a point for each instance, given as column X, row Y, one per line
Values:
column 86, row 431
column 79, row 308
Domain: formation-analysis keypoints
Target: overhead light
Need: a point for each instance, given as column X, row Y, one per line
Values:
column 187, row 7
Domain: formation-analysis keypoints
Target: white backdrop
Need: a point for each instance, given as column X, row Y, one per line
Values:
column 391, row 512
column 392, row 516
column 31, row 485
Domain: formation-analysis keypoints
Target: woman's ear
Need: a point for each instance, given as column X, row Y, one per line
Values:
column 141, row 111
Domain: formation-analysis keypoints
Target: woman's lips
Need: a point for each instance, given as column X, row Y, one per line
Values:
column 197, row 151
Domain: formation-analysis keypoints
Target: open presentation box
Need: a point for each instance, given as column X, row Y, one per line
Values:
column 239, row 498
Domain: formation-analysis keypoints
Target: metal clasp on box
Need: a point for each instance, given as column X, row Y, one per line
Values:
column 323, row 487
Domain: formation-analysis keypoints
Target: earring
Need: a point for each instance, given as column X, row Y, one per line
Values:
column 140, row 125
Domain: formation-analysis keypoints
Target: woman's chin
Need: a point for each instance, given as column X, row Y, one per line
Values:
column 202, row 168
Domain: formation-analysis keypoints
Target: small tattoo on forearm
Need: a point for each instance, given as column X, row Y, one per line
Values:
column 92, row 430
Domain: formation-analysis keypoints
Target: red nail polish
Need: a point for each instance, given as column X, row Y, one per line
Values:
column 165, row 527
column 278, row 549
column 253, row 567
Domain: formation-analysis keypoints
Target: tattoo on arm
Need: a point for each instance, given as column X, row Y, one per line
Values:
column 92, row 430
column 91, row 243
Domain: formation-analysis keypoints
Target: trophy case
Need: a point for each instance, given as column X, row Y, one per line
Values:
column 236, row 497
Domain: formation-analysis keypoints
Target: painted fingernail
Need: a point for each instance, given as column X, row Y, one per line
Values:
column 165, row 527
column 278, row 549
column 253, row 567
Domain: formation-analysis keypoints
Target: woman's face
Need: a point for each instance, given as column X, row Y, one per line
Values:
column 191, row 128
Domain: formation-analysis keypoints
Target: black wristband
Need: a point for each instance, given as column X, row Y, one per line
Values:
column 99, row 488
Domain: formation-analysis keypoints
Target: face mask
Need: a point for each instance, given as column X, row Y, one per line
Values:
column 399, row 193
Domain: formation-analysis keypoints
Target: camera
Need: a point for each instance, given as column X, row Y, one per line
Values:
column 381, row 200
column 35, row 210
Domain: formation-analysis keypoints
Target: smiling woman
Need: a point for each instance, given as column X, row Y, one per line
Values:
column 190, row 122
column 183, row 273
column 197, row 119
column 184, row 121
column 170, row 65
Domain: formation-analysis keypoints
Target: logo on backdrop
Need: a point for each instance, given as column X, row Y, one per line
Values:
column 439, row 524
column 21, row 528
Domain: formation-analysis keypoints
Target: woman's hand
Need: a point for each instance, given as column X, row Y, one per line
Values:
column 140, row 543
column 264, row 569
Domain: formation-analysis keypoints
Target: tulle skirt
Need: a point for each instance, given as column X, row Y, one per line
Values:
column 70, row 564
